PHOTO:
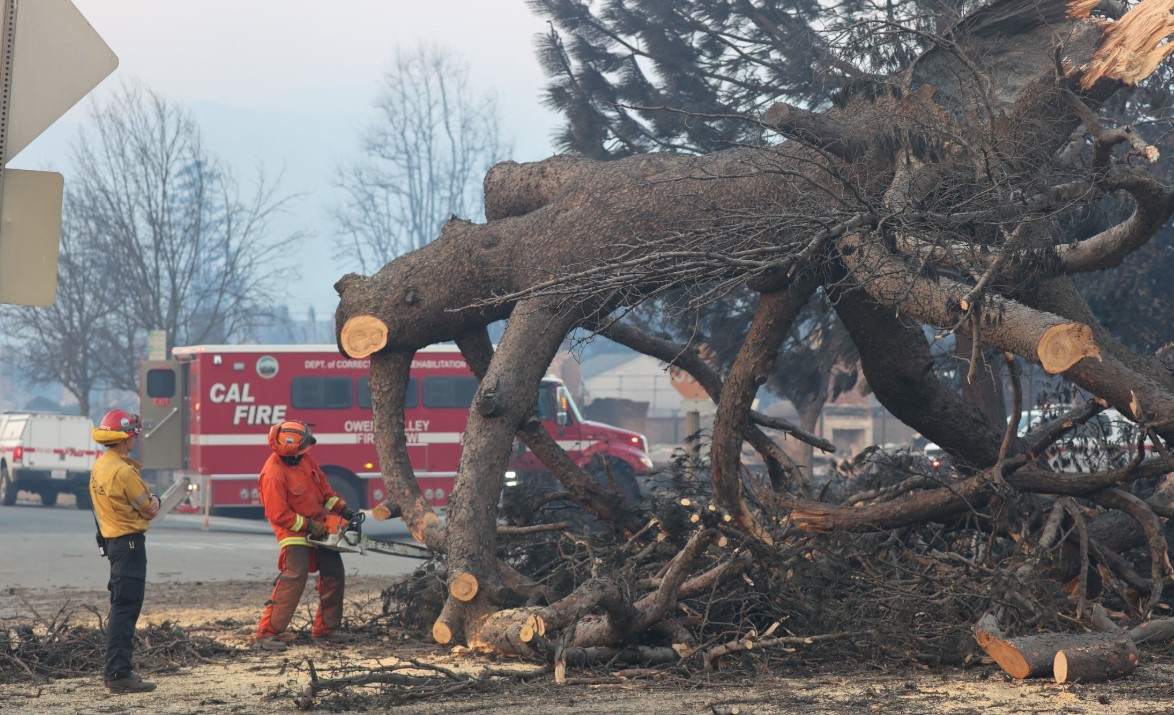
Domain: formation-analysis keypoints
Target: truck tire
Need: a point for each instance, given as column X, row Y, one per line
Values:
column 615, row 474
column 7, row 487
column 343, row 487
column 49, row 497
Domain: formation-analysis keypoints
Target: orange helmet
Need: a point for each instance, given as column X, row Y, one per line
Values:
column 291, row 438
column 116, row 425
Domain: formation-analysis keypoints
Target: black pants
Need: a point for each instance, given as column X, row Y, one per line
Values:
column 128, row 580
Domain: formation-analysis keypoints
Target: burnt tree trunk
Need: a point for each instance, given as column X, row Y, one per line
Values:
column 504, row 399
column 773, row 318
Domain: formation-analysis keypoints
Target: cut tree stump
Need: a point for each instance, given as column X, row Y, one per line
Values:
column 1029, row 656
column 1112, row 657
column 1064, row 345
column 463, row 587
column 363, row 335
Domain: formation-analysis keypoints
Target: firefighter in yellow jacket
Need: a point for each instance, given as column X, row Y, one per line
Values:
column 297, row 499
column 123, row 506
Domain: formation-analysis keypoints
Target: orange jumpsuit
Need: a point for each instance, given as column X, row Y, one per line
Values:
column 293, row 495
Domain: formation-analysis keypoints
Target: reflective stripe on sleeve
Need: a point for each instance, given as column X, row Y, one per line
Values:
column 299, row 523
column 331, row 502
column 295, row 541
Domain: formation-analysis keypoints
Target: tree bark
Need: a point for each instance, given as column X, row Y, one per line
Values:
column 899, row 369
column 772, row 319
column 1106, row 659
column 478, row 352
column 505, row 397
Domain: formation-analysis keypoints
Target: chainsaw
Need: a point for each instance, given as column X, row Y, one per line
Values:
column 346, row 536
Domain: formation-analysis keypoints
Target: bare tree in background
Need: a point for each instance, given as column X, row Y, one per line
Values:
column 55, row 344
column 181, row 247
column 423, row 159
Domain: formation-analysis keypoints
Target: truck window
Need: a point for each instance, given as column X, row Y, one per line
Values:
column 321, row 393
column 567, row 403
column 161, row 383
column 449, row 391
column 411, row 399
column 13, row 428
column 545, row 402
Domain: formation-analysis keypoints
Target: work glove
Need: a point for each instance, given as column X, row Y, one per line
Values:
column 317, row 528
column 347, row 513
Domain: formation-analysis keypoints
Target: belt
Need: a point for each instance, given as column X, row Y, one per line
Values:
column 131, row 535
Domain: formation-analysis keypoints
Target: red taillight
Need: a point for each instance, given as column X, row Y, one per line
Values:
column 18, row 454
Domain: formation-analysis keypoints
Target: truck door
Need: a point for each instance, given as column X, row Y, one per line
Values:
column 163, row 406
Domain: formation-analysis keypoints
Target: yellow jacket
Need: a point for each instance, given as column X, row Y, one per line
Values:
column 119, row 494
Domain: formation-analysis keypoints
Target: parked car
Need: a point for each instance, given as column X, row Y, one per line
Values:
column 936, row 457
column 46, row 453
column 1108, row 440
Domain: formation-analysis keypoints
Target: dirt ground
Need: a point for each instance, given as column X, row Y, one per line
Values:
column 249, row 681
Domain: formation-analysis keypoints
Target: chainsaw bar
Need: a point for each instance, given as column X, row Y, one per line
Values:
column 354, row 542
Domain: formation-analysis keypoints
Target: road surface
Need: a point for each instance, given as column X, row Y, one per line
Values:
column 53, row 547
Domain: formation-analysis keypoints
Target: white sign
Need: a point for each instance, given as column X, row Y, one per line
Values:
column 58, row 59
column 156, row 344
column 705, row 407
column 31, row 226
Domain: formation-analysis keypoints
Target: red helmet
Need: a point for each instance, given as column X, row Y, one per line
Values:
column 291, row 438
column 117, row 425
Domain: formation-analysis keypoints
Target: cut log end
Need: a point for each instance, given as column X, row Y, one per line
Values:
column 385, row 511
column 1005, row 654
column 535, row 626
column 463, row 587
column 1064, row 345
column 441, row 633
column 363, row 335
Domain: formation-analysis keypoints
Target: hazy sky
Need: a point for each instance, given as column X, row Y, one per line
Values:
column 289, row 84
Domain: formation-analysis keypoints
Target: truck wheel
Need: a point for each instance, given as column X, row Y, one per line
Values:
column 7, row 487
column 49, row 497
column 616, row 475
column 342, row 487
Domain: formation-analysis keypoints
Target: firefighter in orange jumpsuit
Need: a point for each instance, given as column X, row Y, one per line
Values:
column 297, row 499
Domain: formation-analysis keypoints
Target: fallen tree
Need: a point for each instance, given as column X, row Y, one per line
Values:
column 932, row 196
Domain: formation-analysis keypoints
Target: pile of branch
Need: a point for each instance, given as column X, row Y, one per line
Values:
column 908, row 594
column 404, row 681
column 47, row 648
column 893, row 597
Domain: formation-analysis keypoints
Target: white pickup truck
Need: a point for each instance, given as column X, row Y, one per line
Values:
column 47, row 454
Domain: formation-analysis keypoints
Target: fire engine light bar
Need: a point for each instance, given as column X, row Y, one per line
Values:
column 511, row 479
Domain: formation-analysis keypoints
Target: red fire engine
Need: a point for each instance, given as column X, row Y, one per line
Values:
column 206, row 414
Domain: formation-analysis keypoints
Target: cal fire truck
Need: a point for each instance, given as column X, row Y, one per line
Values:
column 207, row 412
